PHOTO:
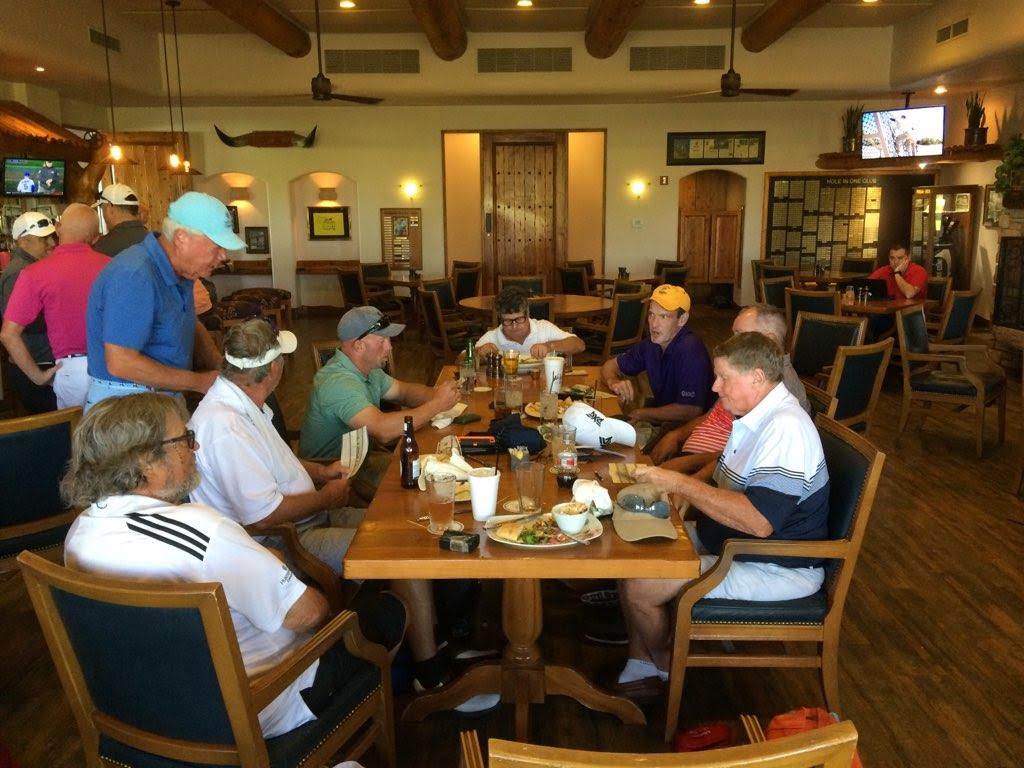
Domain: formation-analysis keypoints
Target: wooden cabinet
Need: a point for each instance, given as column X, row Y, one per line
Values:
column 694, row 245
column 943, row 223
column 711, row 226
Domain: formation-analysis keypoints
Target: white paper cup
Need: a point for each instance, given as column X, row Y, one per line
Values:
column 553, row 367
column 483, row 492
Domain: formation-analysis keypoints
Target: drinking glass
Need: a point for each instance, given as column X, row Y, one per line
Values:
column 513, row 394
column 467, row 377
column 548, row 406
column 563, row 439
column 510, row 362
column 440, row 502
column 530, row 486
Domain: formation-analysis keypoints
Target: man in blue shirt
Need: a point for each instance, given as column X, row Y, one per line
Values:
column 677, row 363
column 141, row 322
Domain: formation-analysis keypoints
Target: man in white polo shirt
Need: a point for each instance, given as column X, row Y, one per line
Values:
column 516, row 330
column 771, row 483
column 131, row 467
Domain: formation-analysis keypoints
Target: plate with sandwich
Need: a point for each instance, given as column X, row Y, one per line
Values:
column 538, row 532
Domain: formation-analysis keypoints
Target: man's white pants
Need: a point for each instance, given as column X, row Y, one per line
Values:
column 71, row 382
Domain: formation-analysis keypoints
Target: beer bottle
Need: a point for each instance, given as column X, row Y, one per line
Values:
column 410, row 456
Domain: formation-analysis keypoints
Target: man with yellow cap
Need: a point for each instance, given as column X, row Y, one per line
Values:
column 676, row 360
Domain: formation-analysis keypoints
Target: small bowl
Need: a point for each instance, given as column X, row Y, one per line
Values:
column 571, row 522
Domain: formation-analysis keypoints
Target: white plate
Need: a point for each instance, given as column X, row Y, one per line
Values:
column 592, row 530
column 533, row 409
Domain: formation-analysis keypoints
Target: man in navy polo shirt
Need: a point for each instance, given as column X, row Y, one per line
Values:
column 141, row 323
column 676, row 360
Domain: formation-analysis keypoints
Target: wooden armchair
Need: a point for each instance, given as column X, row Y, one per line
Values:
column 958, row 375
column 858, row 265
column 818, row 302
column 467, row 282
column 822, row 403
column 534, row 285
column 773, row 290
column 957, row 318
column 185, row 698
column 355, row 293
column 624, row 329
column 574, row 281
column 756, row 271
column 829, row 747
column 855, row 381
column 816, row 338
column 854, row 468
column 35, row 451
column 446, row 337
column 675, row 275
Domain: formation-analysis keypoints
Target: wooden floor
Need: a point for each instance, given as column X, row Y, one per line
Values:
column 932, row 657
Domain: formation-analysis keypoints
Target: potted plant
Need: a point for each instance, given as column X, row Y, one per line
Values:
column 1010, row 174
column 976, row 132
column 852, row 128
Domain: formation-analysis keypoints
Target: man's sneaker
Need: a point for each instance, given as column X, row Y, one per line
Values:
column 458, row 650
column 474, row 705
column 603, row 622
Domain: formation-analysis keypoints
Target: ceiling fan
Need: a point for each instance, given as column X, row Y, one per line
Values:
column 321, row 84
column 730, row 84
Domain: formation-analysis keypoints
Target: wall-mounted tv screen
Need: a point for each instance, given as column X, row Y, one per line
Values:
column 40, row 178
column 916, row 132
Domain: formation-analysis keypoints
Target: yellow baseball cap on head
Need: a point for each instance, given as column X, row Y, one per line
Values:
column 671, row 297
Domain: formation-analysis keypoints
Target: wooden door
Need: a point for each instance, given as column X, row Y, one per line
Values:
column 525, row 210
column 694, row 239
column 724, row 261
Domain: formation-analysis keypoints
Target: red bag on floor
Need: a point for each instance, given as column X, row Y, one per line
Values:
column 801, row 720
column 705, row 736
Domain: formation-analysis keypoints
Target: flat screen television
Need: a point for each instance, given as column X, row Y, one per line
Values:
column 915, row 132
column 33, row 178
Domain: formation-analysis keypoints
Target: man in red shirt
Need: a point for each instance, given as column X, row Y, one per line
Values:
column 903, row 278
column 58, row 288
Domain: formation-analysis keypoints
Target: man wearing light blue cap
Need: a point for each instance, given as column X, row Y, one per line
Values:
column 141, row 323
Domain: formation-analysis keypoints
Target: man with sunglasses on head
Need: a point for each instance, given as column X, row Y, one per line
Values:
column 517, row 330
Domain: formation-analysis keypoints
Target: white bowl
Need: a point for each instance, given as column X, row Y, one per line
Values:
column 571, row 523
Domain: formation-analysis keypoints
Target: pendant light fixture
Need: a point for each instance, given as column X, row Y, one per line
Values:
column 174, row 160
column 185, row 167
column 116, row 154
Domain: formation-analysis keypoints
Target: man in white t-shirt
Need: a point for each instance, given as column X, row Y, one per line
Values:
column 131, row 466
column 517, row 331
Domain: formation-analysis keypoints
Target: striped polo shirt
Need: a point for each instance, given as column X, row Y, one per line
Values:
column 774, row 457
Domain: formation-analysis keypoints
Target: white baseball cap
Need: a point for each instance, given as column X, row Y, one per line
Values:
column 32, row 223
column 595, row 430
column 117, row 194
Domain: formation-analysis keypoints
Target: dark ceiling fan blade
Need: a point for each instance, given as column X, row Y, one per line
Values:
column 320, row 86
column 356, row 99
column 769, row 91
column 693, row 94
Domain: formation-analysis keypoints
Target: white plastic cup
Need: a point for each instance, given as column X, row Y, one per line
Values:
column 483, row 492
column 553, row 367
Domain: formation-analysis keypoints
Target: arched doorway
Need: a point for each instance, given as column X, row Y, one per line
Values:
column 710, row 243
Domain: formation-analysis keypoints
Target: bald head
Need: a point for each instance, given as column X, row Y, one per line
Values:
column 762, row 318
column 78, row 224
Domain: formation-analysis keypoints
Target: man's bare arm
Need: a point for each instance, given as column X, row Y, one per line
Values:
column 130, row 364
column 11, row 336
column 308, row 612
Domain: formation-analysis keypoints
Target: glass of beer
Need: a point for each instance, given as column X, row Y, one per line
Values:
column 440, row 502
column 510, row 362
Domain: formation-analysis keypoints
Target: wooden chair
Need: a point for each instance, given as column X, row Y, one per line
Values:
column 675, row 275
column 456, row 264
column 624, row 329
column 355, row 294
column 628, row 287
column 768, row 271
column 858, row 265
column 957, row 317
column 35, row 451
column 937, row 291
column 533, row 285
column 855, row 381
column 660, row 265
column 773, row 290
column 168, row 686
column 817, row 337
column 958, row 375
column 466, row 282
column 854, row 467
column 829, row 747
column 818, row 302
column 446, row 337
column 574, row 281
column 756, row 267
column 587, row 265
column 539, row 307
column 445, row 290
column 275, row 303
column 323, row 351
column 822, row 403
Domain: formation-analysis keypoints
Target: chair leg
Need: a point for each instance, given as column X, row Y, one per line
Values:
column 904, row 416
column 979, row 429
column 830, row 671
column 677, row 672
column 386, row 740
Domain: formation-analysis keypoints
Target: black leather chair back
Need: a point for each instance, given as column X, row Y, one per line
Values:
column 540, row 309
column 823, row 305
column 629, row 319
column 444, row 291
column 675, row 275
column 915, row 331
column 857, row 383
column 628, row 286
column 816, row 343
column 847, row 473
column 431, row 312
column 574, row 280
column 467, row 283
column 351, row 288
column 534, row 286
column 859, row 266
column 375, row 270
column 769, row 271
column 30, row 471
column 660, row 265
column 960, row 315
column 775, row 292
column 937, row 289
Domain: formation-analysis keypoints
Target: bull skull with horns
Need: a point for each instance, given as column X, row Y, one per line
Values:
column 268, row 139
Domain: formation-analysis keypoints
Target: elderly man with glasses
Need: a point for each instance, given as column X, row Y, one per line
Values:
column 517, row 330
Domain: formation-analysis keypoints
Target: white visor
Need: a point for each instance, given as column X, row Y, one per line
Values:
column 286, row 344
column 595, row 430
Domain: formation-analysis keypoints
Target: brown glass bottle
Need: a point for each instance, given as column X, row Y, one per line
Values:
column 410, row 456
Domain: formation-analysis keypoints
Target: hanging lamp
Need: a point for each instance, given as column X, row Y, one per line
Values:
column 116, row 154
column 173, row 162
column 185, row 168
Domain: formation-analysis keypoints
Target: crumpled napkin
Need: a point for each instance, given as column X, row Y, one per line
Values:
column 436, row 465
column 444, row 418
column 587, row 491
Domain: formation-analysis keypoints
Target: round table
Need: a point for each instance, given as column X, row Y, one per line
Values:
column 562, row 305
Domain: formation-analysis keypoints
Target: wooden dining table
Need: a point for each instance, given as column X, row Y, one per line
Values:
column 880, row 306
column 390, row 543
column 828, row 277
column 612, row 279
column 563, row 305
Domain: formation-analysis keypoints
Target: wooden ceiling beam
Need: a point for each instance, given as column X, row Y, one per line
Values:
column 268, row 23
column 607, row 24
column 441, row 21
column 775, row 21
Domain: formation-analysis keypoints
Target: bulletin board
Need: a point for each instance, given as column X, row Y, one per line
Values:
column 401, row 237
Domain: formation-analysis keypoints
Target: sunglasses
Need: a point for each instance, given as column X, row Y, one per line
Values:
column 189, row 439
column 380, row 325
column 39, row 224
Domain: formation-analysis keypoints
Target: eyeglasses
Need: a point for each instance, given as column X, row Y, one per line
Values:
column 380, row 325
column 513, row 321
column 189, row 439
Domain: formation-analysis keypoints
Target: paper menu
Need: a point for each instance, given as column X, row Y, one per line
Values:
column 354, row 446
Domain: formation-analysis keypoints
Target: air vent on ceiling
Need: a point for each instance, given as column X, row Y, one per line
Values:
column 372, row 62
column 104, row 41
column 665, row 57
column 955, row 29
column 524, row 60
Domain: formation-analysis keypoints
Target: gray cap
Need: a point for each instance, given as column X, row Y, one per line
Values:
column 358, row 320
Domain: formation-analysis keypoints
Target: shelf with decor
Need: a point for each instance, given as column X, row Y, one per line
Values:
column 852, row 161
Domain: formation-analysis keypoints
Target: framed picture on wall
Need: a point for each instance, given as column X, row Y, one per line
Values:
column 328, row 222
column 233, row 210
column 257, row 239
column 715, row 148
column 993, row 207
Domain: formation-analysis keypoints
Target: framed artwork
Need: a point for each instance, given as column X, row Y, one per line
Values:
column 962, row 202
column 328, row 222
column 257, row 239
column 715, row 148
column 993, row 207
column 233, row 210
column 401, row 237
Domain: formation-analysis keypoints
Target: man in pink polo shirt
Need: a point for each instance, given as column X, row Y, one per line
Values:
column 58, row 287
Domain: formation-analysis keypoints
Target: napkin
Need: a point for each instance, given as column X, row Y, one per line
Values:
column 587, row 491
column 444, row 418
column 432, row 464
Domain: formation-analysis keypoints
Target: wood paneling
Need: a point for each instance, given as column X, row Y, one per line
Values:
column 694, row 245
column 724, row 261
column 156, row 189
column 711, row 225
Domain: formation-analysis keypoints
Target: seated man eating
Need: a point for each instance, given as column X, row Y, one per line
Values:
column 517, row 330
column 770, row 483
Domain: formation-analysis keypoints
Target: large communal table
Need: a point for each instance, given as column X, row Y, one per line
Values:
column 389, row 544
column 563, row 305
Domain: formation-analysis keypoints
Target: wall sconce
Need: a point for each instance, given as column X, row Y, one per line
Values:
column 327, row 193
column 410, row 189
column 638, row 187
column 239, row 194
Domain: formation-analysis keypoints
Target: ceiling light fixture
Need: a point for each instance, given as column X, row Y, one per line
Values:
column 524, row 3
column 346, row 4
column 702, row 2
column 40, row 69
column 116, row 156
column 939, row 90
column 174, row 159
column 186, row 168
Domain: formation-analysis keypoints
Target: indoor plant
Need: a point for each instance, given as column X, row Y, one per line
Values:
column 976, row 132
column 852, row 127
column 1010, row 174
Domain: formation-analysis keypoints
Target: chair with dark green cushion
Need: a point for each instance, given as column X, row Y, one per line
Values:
column 356, row 293
column 467, row 282
column 168, row 688
column 757, row 271
column 957, row 317
column 858, row 266
column 624, row 329
column 446, row 334
column 375, row 271
column 773, row 290
column 34, row 454
column 675, row 275
column 533, row 285
column 660, row 265
column 854, row 468
column 573, row 280
column 817, row 337
column 855, row 381
column 628, row 286
column 817, row 302
column 956, row 375
column 445, row 291
column 768, row 271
